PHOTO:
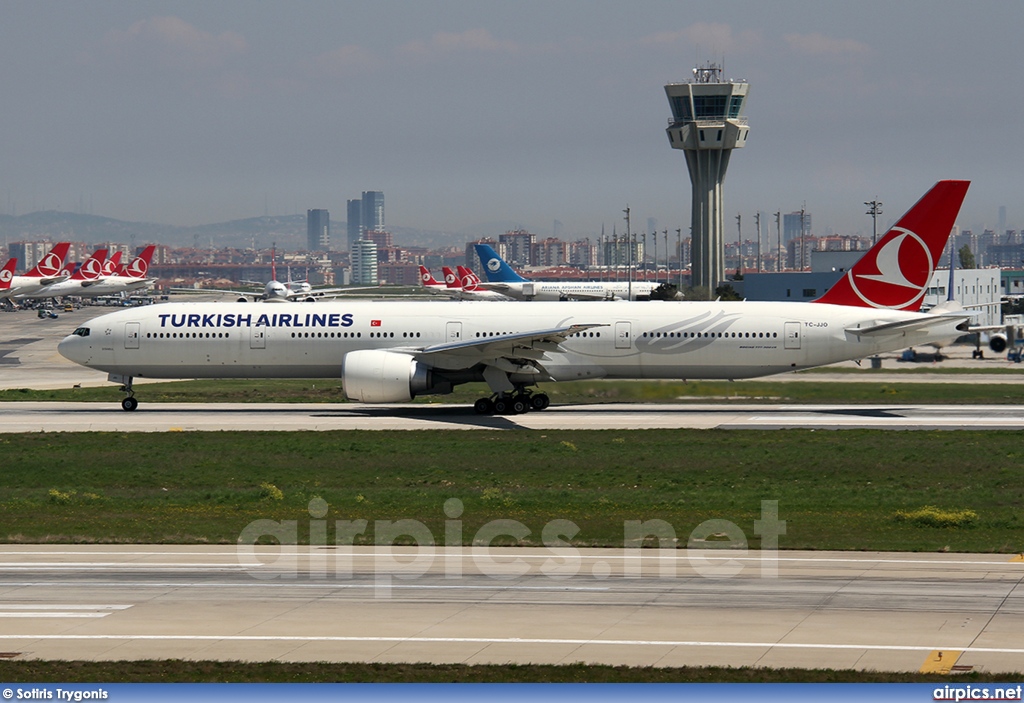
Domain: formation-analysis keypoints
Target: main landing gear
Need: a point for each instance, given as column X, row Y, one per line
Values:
column 515, row 403
column 130, row 403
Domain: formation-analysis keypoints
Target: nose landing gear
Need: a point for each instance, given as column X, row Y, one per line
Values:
column 130, row 403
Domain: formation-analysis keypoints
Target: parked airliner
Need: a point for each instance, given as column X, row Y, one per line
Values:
column 47, row 272
column 389, row 352
column 502, row 278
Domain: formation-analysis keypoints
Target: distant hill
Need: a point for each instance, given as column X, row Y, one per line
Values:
column 289, row 231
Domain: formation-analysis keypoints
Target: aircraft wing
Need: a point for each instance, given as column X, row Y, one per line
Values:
column 506, row 351
column 903, row 326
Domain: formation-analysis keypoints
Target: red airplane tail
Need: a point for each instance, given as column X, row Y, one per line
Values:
column 468, row 279
column 139, row 266
column 91, row 268
column 427, row 278
column 895, row 272
column 7, row 274
column 52, row 263
column 450, row 279
column 112, row 264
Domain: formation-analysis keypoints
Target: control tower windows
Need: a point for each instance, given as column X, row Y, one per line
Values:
column 680, row 105
column 709, row 107
column 735, row 105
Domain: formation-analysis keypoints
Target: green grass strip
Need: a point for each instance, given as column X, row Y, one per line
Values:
column 835, row 490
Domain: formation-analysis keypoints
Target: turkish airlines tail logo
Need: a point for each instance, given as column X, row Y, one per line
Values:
column 139, row 266
column 52, row 263
column 895, row 272
column 7, row 274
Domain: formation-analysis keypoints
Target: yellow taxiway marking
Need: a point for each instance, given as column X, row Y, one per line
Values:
column 1018, row 557
column 940, row 661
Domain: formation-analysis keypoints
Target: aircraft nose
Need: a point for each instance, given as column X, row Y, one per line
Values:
column 73, row 348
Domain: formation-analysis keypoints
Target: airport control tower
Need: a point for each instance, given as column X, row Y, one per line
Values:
column 707, row 123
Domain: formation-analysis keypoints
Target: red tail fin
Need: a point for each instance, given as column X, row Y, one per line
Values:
column 7, row 274
column 91, row 268
column 895, row 272
column 112, row 264
column 468, row 278
column 52, row 263
column 139, row 266
column 427, row 278
column 450, row 279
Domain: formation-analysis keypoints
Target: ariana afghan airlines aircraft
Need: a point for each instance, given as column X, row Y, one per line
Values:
column 389, row 352
column 501, row 278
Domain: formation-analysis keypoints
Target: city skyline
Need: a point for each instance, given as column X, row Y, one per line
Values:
column 466, row 114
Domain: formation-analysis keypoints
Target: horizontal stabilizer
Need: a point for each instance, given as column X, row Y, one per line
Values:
column 903, row 326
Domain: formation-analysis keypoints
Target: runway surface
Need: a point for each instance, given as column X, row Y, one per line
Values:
column 656, row 607
column 164, row 417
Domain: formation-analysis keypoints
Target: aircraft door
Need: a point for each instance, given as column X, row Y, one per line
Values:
column 792, row 334
column 623, row 335
column 258, row 337
column 131, row 335
column 453, row 332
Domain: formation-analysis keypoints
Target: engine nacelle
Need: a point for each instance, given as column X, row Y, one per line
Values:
column 372, row 376
column 997, row 342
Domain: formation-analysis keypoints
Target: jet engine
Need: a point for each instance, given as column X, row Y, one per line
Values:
column 997, row 342
column 373, row 376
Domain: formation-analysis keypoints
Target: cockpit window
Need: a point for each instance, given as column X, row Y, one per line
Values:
column 82, row 332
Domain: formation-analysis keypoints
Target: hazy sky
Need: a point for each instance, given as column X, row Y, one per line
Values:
column 465, row 112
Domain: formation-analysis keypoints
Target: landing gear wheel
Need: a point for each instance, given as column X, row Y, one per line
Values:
column 540, row 401
column 519, row 405
column 129, row 404
column 501, row 406
column 484, row 406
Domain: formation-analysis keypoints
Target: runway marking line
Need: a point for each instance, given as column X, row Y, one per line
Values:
column 940, row 661
column 516, row 641
column 1018, row 557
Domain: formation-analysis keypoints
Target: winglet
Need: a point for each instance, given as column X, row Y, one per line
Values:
column 895, row 272
column 495, row 268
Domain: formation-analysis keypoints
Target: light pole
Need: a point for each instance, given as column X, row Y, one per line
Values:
column 874, row 209
column 778, row 231
column 679, row 256
column 629, row 266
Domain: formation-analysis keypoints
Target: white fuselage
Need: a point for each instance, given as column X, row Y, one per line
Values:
column 26, row 285
column 688, row 340
column 573, row 290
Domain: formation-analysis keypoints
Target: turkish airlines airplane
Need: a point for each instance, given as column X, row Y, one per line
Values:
column 46, row 273
column 501, row 278
column 6, row 276
column 389, row 352
column 78, row 282
column 428, row 281
column 121, row 279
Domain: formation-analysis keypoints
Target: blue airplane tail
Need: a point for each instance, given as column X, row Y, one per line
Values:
column 495, row 268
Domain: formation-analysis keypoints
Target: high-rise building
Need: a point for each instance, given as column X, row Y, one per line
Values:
column 371, row 215
column 519, row 247
column 707, row 124
column 318, row 230
column 353, row 226
column 364, row 263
